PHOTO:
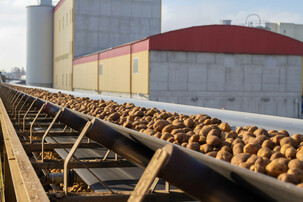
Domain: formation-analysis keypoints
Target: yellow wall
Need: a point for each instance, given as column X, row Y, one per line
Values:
column 116, row 74
column 86, row 76
column 63, row 45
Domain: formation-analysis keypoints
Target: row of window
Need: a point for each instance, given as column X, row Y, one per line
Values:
column 135, row 67
column 65, row 20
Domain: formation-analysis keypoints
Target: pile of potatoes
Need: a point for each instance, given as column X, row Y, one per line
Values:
column 272, row 152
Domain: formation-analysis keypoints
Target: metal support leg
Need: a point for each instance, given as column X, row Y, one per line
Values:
column 27, row 113
column 19, row 112
column 13, row 103
column 71, row 153
column 106, row 155
column 32, row 124
column 47, row 131
column 148, row 176
column 18, row 105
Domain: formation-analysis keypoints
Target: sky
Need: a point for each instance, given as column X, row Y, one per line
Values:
column 176, row 14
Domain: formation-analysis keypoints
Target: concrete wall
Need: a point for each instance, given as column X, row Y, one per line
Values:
column 63, row 46
column 250, row 83
column 102, row 24
column 288, row 29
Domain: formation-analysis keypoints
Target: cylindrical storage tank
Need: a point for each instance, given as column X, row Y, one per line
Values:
column 39, row 71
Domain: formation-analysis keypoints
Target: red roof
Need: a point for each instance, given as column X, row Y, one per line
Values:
column 226, row 39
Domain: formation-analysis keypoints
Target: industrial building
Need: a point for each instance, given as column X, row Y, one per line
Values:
column 288, row 29
column 115, row 48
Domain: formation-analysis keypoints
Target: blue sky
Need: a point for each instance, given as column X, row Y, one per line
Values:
column 175, row 14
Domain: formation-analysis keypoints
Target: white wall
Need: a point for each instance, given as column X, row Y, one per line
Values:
column 288, row 29
column 102, row 24
column 250, row 83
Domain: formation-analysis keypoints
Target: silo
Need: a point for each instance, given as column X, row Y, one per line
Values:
column 40, row 44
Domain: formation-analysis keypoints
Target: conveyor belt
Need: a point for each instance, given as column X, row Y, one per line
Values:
column 260, row 184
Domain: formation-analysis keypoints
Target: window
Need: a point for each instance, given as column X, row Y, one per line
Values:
column 56, row 81
column 71, row 16
column 59, row 25
column 63, row 23
column 62, row 79
column 100, row 69
column 136, row 65
column 66, row 80
column 70, row 80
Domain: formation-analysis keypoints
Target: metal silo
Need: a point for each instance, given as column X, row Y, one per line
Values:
column 40, row 44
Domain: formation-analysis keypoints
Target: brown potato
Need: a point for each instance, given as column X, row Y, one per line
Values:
column 238, row 148
column 224, row 155
column 202, row 139
column 184, row 144
column 214, row 132
column 171, row 139
column 166, row 136
column 275, row 168
column 299, row 155
column 194, row 138
column 264, row 152
column 226, row 148
column 212, row 154
column 252, row 129
column 300, row 185
column 239, row 158
column 180, row 137
column 225, row 127
column 213, row 140
column 159, row 125
column 263, row 161
column 205, row 148
column 189, row 123
column 298, row 138
column 205, row 130
column 284, row 148
column 244, row 165
column 252, row 159
column 276, row 155
column 288, row 140
column 237, row 140
column 158, row 135
column 277, row 149
column 193, row 146
column 268, row 143
column 276, row 139
column 261, row 131
column 284, row 132
column 297, row 172
column 285, row 177
column 295, row 163
column 290, row 153
column 257, row 168
column 168, row 128
column 251, row 148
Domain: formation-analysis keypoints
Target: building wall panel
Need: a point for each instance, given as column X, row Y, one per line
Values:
column 86, row 75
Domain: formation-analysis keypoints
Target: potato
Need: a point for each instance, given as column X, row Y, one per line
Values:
column 244, row 165
column 166, row 136
column 295, row 163
column 257, row 168
column 276, row 155
column 298, row 138
column 263, row 161
column 128, row 124
column 212, row 154
column 230, row 140
column 194, row 138
column 193, row 146
column 226, row 148
column 149, row 132
column 205, row 148
column 268, row 143
column 252, row 129
column 225, row 127
column 158, row 135
column 261, row 131
column 171, row 139
column 276, row 139
column 224, row 155
column 202, row 139
column 290, row 153
column 168, row 128
column 275, row 168
column 252, row 159
column 251, row 148
column 284, row 132
column 297, row 172
column 214, row 132
column 225, row 143
column 238, row 148
column 299, row 155
column 184, row 144
column 264, row 152
column 176, row 131
column 284, row 148
column 159, row 125
column 239, row 129
column 213, row 140
column 180, row 137
column 277, row 149
column 237, row 140
column 205, row 130
column 239, row 158
column 288, row 140
column 285, row 177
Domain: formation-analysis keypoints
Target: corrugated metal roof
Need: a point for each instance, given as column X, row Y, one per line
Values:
column 226, row 39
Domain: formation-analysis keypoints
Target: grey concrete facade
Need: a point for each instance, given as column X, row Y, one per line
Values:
column 251, row 83
column 102, row 24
